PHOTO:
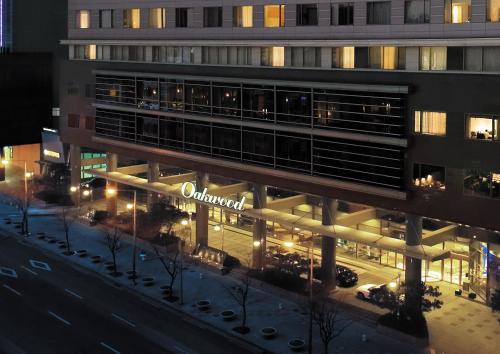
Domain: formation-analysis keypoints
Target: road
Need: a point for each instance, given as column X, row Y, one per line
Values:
column 63, row 310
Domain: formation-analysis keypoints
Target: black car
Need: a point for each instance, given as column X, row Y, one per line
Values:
column 345, row 276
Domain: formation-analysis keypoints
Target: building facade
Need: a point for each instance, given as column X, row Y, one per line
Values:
column 366, row 125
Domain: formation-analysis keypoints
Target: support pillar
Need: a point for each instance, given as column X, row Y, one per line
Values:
column 153, row 176
column 201, row 211
column 413, row 269
column 328, row 244
column 111, row 198
column 75, row 157
column 259, row 227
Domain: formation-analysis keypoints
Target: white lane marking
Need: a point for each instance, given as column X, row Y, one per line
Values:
column 13, row 290
column 59, row 318
column 110, row 348
column 123, row 320
column 180, row 350
column 73, row 293
column 9, row 272
column 40, row 265
column 29, row 270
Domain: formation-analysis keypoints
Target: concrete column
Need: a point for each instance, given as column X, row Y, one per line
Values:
column 259, row 227
column 75, row 157
column 153, row 176
column 328, row 244
column 413, row 270
column 201, row 211
column 111, row 199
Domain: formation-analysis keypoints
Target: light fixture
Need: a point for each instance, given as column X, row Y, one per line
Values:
column 217, row 228
column 392, row 285
column 256, row 243
column 130, row 206
column 73, row 189
column 28, row 174
column 110, row 192
column 296, row 229
column 184, row 222
column 86, row 193
column 5, row 162
column 288, row 244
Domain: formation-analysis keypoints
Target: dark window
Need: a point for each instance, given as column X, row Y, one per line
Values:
column 147, row 129
column 307, row 15
column 378, row 13
column 482, row 183
column 171, row 95
column 428, row 176
column 293, row 152
column 293, row 107
column 197, row 137
column 361, row 57
column 258, row 146
column 455, row 58
column 226, row 141
column 106, row 19
column 226, row 101
column 212, row 16
column 171, row 132
column 148, row 95
column 73, row 120
column 90, row 123
column 181, row 17
column 258, row 103
column 345, row 14
column 418, row 11
column 198, row 98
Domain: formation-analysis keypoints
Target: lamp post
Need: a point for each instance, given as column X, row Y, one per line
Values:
column 26, row 176
column 76, row 189
column 220, row 227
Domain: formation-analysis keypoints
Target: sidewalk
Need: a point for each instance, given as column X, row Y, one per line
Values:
column 200, row 283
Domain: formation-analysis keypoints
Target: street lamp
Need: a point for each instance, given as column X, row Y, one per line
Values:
column 27, row 175
column 217, row 228
column 76, row 190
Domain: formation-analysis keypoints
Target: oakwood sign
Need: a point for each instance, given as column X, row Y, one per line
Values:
column 188, row 190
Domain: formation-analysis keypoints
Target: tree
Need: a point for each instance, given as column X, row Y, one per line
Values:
column 331, row 325
column 67, row 216
column 172, row 266
column 239, row 293
column 22, row 200
column 113, row 242
column 495, row 301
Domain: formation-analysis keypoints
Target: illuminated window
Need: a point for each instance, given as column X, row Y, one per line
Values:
column 482, row 183
column 493, row 11
column 343, row 57
column 243, row 16
column 274, row 16
column 83, row 19
column 482, row 128
column 273, row 56
column 427, row 176
column 432, row 58
column 383, row 58
column 158, row 17
column 132, row 18
column 457, row 11
column 432, row 123
column 91, row 52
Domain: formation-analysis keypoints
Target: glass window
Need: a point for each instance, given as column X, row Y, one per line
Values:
column 306, row 57
column 243, row 16
column 417, row 11
column 293, row 107
column 345, row 14
column 433, row 58
column 473, row 58
column 83, row 19
column 171, row 95
column 181, row 16
column 212, row 16
column 493, row 10
column 273, row 56
column 383, row 58
column 343, row 57
column 378, row 13
column 148, row 95
column 158, row 17
column 131, row 18
column 432, row 123
column 91, row 52
column 457, row 11
column 258, row 103
column 307, row 15
column 226, row 100
column 258, row 146
column 274, row 16
column 293, row 152
column 482, row 128
column 106, row 19
column 491, row 59
column 427, row 176
column 482, row 183
column 198, row 97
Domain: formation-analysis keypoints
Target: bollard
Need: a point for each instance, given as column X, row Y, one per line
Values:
column 363, row 337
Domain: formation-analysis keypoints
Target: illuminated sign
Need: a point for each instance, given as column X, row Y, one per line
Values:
column 203, row 196
column 50, row 153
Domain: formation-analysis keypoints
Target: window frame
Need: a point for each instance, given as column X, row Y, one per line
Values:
column 79, row 14
column 112, row 18
column 419, row 133
column 424, row 188
column 490, row 116
column 374, row 3
column 281, row 18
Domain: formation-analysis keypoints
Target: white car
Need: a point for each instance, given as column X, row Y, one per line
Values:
column 365, row 292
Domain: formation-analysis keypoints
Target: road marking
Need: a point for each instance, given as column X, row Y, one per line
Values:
column 123, row 320
column 73, row 293
column 59, row 318
column 110, row 348
column 13, row 290
column 40, row 265
column 29, row 270
column 8, row 272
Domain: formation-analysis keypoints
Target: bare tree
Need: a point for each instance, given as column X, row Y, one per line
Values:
column 331, row 325
column 22, row 200
column 240, row 294
column 171, row 265
column 67, row 216
column 113, row 241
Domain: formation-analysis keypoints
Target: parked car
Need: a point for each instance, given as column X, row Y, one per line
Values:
column 345, row 276
column 369, row 291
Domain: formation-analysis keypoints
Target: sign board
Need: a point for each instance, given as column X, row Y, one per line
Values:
column 188, row 190
column 52, row 147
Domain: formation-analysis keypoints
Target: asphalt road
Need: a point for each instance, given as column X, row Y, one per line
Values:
column 62, row 310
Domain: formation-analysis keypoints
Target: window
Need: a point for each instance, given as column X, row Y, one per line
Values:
column 493, row 11
column 212, row 16
column 491, row 59
column 83, row 19
column 383, row 58
column 432, row 123
column 90, row 52
column 274, row 16
column 482, row 128
column 132, row 18
column 378, row 13
column 457, row 11
column 427, row 176
column 432, row 58
column 417, row 11
column 307, row 15
column 482, row 183
column 158, row 18
column 306, row 57
column 181, row 17
column 73, row 120
column 345, row 14
column 343, row 57
column 243, row 16
column 273, row 56
column 106, row 19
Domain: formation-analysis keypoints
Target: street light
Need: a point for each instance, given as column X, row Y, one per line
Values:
column 75, row 189
column 218, row 228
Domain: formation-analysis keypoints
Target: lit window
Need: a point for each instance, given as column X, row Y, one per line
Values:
column 493, row 11
column 343, row 57
column 482, row 128
column 457, row 11
column 427, row 176
column 158, row 18
column 383, row 58
column 132, row 18
column 274, row 15
column 432, row 123
column 432, row 58
column 482, row 183
column 273, row 56
column 91, row 52
column 243, row 16
column 83, row 19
